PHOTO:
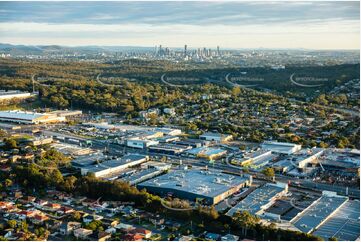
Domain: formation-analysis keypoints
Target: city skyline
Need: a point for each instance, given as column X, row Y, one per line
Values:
column 309, row 25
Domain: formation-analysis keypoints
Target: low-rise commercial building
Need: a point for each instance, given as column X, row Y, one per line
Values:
column 255, row 159
column 140, row 143
column 41, row 141
column 216, row 137
column 110, row 167
column 209, row 153
column 169, row 131
column 195, row 143
column 169, row 149
column 281, row 147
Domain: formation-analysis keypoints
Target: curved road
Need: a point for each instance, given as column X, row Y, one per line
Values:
column 36, row 81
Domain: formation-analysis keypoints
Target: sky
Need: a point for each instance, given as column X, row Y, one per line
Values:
column 228, row 24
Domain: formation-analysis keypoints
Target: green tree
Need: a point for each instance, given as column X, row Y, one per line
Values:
column 56, row 177
column 269, row 172
column 10, row 144
column 12, row 223
column 245, row 221
column 69, row 183
column 236, row 91
column 77, row 216
column 8, row 183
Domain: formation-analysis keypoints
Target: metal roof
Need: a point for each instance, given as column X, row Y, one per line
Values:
column 16, row 114
column 318, row 212
column 206, row 183
column 257, row 199
column 344, row 224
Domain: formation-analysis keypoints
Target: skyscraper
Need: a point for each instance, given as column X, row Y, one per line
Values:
column 160, row 50
column 185, row 50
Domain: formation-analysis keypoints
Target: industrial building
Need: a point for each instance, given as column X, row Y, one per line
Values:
column 209, row 187
column 169, row 149
column 148, row 170
column 41, row 141
column 29, row 117
column 297, row 164
column 280, row 147
column 74, row 150
column 11, row 94
column 169, row 131
column 216, row 137
column 255, row 160
column 319, row 212
column 340, row 159
column 260, row 199
column 168, row 138
column 208, row 153
column 110, row 167
column 195, row 143
column 140, row 143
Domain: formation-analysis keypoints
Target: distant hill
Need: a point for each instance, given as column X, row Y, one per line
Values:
column 57, row 49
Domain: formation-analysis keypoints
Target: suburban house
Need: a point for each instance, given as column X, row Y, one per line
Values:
column 68, row 227
column 82, row 233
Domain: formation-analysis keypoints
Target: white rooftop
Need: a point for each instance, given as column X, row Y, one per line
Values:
column 16, row 114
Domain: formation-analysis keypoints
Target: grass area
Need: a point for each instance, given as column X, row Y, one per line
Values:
column 10, row 107
column 22, row 137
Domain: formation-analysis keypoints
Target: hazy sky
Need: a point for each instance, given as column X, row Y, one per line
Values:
column 315, row 25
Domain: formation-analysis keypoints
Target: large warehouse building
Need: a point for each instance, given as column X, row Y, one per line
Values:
column 29, row 117
column 11, row 94
column 207, row 186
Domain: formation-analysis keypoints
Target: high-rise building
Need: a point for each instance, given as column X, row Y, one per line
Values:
column 160, row 50
column 218, row 53
column 185, row 50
